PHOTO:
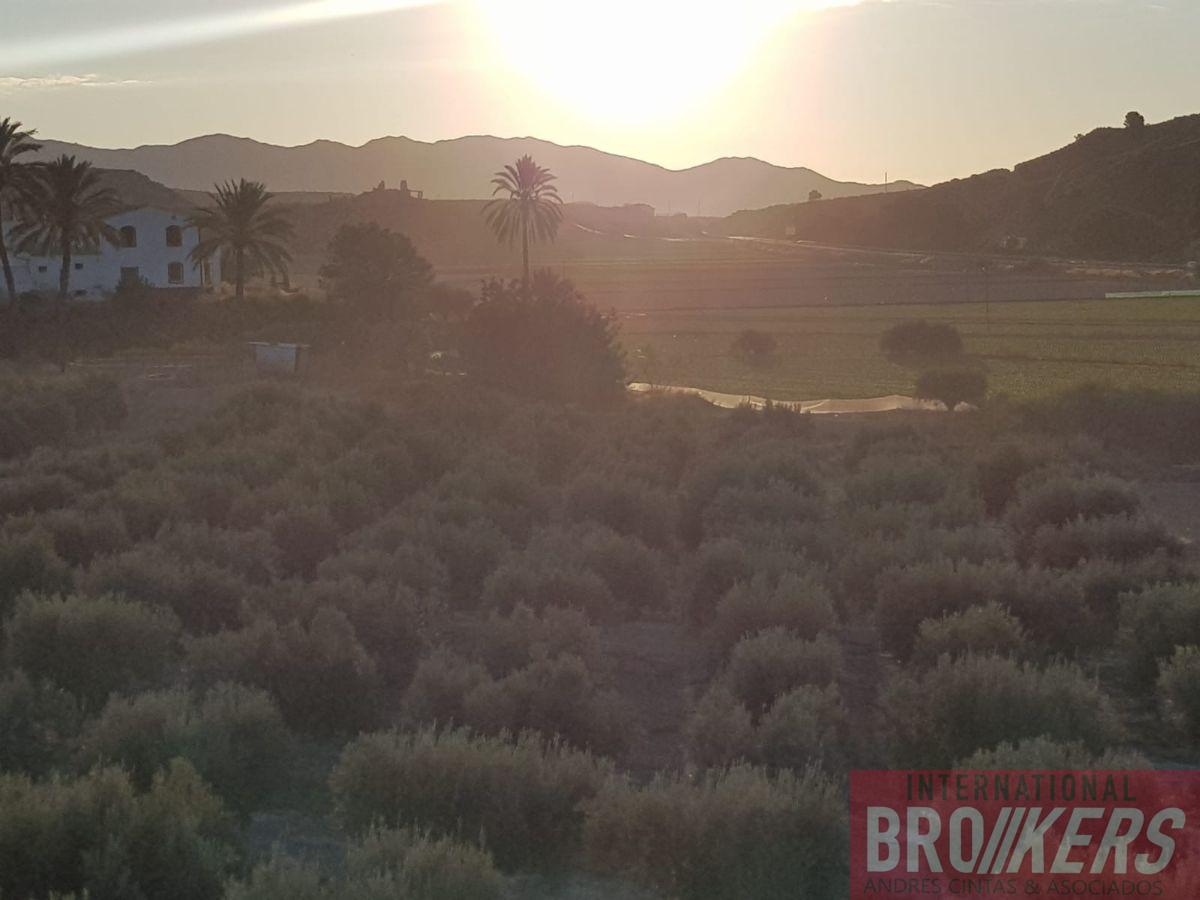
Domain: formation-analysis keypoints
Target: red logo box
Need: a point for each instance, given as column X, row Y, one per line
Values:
column 1024, row 834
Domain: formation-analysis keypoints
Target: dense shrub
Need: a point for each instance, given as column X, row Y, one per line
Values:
column 521, row 800
column 799, row 604
column 426, row 867
column 28, row 563
column 720, row 729
column 547, row 342
column 506, row 643
column 40, row 724
column 1118, row 538
column 545, row 584
column 1153, row 622
column 51, row 412
column 975, row 702
column 206, row 597
column 1043, row 754
column 907, row 479
column 146, row 501
column 79, row 535
column 635, row 575
column 320, row 675
column 978, row 629
column 735, row 834
column 34, row 492
column 1060, row 500
column 770, row 663
column 556, row 697
column 94, row 835
column 92, row 646
column 998, row 473
column 438, row 691
column 805, row 726
column 753, row 347
column 305, row 535
column 234, row 736
column 625, row 505
column 1179, row 691
column 251, row 555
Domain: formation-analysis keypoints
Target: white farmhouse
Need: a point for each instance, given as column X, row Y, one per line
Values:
column 153, row 248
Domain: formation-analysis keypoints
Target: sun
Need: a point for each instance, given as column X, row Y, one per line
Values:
column 629, row 61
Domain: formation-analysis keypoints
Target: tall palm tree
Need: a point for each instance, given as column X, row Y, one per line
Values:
column 69, row 211
column 241, row 223
column 16, row 183
column 529, row 207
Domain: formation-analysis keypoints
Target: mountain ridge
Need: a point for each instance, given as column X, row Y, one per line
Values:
column 461, row 168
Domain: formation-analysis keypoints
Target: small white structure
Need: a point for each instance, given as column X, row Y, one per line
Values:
column 153, row 248
column 277, row 359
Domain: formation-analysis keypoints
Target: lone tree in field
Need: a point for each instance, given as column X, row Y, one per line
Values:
column 754, row 347
column 952, row 386
column 1134, row 120
column 526, row 205
column 68, row 213
column 921, row 345
column 814, row 195
column 241, row 224
column 17, row 183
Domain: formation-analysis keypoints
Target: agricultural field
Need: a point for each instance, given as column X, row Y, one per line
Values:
column 1029, row 349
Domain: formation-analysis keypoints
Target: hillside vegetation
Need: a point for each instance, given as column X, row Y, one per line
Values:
column 1116, row 193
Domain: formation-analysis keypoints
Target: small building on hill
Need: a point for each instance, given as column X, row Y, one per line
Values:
column 153, row 249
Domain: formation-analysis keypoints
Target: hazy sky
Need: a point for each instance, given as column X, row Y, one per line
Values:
column 924, row 89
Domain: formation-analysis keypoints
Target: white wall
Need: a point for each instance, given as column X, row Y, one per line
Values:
column 97, row 274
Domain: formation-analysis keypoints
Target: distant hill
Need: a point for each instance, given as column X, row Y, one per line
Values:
column 462, row 169
column 1115, row 193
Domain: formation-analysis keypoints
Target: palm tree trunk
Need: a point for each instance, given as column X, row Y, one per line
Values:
column 525, row 256
column 9, row 281
column 64, row 288
column 239, row 274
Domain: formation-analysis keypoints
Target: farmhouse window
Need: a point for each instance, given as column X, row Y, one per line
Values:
column 174, row 236
column 175, row 273
column 128, row 236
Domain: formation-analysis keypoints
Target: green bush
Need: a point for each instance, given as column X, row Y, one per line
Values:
column 79, row 535
column 977, row 629
column 543, row 584
column 735, row 834
column 720, row 729
column 34, row 492
column 438, row 691
column 206, row 597
column 907, row 479
column 251, row 555
column 234, row 736
column 1119, row 538
column 1153, row 622
column 323, row 679
column 92, row 647
column 1179, row 691
column 976, row 702
column 146, row 502
column 426, row 867
column 765, row 665
column 625, row 505
column 805, row 726
column 998, row 474
column 507, row 643
column 28, row 563
column 952, row 386
column 305, row 535
column 1043, row 754
column 96, row 836
column 556, row 697
column 919, row 343
column 520, row 800
column 1061, row 500
column 799, row 604
column 40, row 725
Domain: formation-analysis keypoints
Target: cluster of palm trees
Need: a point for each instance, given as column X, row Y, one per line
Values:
column 61, row 207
